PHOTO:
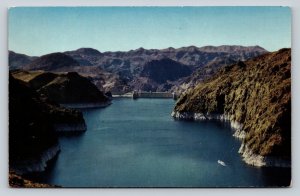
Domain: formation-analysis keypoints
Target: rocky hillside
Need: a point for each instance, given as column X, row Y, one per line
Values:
column 33, row 126
column 201, row 74
column 130, row 66
column 63, row 88
column 255, row 96
column 51, row 62
column 16, row 60
column 165, row 69
column 61, row 62
column 121, row 72
column 192, row 55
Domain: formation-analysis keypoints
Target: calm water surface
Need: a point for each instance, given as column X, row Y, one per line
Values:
column 136, row 143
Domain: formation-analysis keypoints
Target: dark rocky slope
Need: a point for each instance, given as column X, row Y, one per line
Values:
column 64, row 88
column 256, row 97
column 201, row 74
column 165, row 69
column 33, row 126
column 160, row 75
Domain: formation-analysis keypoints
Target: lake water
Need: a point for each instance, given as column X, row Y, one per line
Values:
column 136, row 143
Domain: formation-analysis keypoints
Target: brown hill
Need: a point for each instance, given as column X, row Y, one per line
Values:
column 16, row 60
column 51, row 62
column 63, row 88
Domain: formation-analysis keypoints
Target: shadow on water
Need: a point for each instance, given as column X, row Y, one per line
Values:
column 71, row 134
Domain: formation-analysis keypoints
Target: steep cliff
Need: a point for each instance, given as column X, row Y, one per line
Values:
column 33, row 126
column 255, row 96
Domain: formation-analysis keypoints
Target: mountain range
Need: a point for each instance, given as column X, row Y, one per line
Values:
column 167, row 69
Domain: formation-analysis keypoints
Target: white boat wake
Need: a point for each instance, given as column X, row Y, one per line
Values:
column 222, row 163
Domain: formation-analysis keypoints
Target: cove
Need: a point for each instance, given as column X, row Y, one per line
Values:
column 136, row 143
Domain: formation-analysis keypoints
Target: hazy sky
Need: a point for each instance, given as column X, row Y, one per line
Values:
column 42, row 30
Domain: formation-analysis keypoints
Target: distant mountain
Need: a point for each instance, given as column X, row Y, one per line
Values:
column 17, row 60
column 121, row 72
column 85, row 56
column 165, row 69
column 51, row 62
column 192, row 56
column 247, row 51
column 129, row 66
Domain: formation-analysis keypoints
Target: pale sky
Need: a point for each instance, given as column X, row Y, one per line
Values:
column 40, row 30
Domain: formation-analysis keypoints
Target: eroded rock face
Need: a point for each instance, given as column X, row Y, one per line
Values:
column 255, row 94
column 32, row 127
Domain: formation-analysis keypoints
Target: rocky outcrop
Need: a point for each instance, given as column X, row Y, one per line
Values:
column 17, row 181
column 255, row 96
column 33, row 122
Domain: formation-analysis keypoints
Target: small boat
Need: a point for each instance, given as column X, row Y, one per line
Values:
column 221, row 163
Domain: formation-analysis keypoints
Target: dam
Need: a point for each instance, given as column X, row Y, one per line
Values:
column 145, row 94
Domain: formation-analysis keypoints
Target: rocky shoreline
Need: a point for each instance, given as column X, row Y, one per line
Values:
column 36, row 120
column 36, row 164
column 201, row 117
column 248, row 156
column 262, row 161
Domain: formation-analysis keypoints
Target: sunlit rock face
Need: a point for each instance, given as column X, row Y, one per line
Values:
column 255, row 96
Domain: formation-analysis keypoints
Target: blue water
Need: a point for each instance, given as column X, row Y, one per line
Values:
column 136, row 143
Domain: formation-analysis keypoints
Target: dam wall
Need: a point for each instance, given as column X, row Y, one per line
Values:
column 167, row 95
column 136, row 95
